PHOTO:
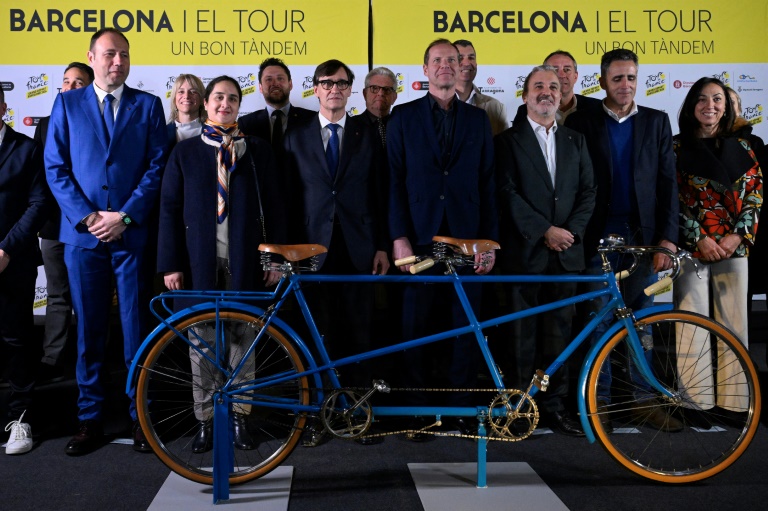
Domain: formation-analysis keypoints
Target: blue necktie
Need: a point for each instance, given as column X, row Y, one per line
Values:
column 332, row 151
column 109, row 114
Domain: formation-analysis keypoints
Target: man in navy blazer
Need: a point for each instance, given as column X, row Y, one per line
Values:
column 631, row 151
column 440, row 153
column 22, row 213
column 275, row 85
column 546, row 197
column 104, row 159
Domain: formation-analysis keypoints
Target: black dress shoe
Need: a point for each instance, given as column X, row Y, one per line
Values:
column 203, row 441
column 314, row 434
column 140, row 443
column 89, row 437
column 563, row 423
column 242, row 438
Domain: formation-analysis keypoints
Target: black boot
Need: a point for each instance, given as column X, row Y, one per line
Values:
column 242, row 438
column 203, row 441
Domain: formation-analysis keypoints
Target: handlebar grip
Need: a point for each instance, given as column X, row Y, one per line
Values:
column 658, row 286
column 623, row 274
column 423, row 265
column 405, row 260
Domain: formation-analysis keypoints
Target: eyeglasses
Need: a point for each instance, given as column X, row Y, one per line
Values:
column 376, row 88
column 328, row 84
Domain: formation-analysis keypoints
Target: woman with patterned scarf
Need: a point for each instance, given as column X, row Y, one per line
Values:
column 220, row 199
column 721, row 190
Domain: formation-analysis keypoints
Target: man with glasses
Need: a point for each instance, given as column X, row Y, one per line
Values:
column 468, row 92
column 275, row 85
column 380, row 94
column 440, row 153
column 335, row 163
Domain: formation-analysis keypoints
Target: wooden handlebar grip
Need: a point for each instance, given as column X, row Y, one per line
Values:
column 658, row 286
column 426, row 263
column 623, row 274
column 405, row 260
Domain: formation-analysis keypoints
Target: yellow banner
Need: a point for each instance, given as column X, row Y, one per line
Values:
column 504, row 32
column 189, row 32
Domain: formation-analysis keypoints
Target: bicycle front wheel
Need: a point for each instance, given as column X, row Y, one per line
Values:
column 708, row 423
column 177, row 383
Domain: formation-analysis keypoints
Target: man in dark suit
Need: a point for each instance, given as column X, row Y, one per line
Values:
column 22, row 212
column 58, row 310
column 334, row 161
column 546, row 197
column 275, row 85
column 631, row 151
column 440, row 153
column 104, row 159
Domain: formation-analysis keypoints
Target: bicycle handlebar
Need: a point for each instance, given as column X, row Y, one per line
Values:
column 421, row 266
column 405, row 260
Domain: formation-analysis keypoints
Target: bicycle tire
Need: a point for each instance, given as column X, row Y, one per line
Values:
column 711, row 438
column 166, row 407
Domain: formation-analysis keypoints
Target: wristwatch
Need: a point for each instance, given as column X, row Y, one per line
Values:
column 125, row 218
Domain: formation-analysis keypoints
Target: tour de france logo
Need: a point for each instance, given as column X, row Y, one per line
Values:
column 37, row 85
column 590, row 84
column 9, row 117
column 655, row 83
column 724, row 77
column 519, row 83
column 247, row 83
column 400, row 86
column 753, row 114
column 307, row 87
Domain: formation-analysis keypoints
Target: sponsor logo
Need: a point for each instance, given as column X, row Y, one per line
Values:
column 745, row 78
column 741, row 89
column 724, row 77
column 353, row 111
column 491, row 80
column 9, row 117
column 677, row 84
column 307, row 87
column 6, row 86
column 519, row 83
column 169, row 86
column 753, row 114
column 420, row 85
column 400, row 86
column 37, row 85
column 655, row 83
column 590, row 84
column 247, row 83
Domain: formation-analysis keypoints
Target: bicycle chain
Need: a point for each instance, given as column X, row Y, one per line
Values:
column 425, row 430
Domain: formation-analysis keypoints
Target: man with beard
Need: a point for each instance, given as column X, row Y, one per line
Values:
column 546, row 196
column 275, row 85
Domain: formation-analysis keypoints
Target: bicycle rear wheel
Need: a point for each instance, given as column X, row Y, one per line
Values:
column 176, row 386
column 714, row 413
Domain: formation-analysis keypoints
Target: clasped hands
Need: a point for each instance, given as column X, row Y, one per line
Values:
column 107, row 226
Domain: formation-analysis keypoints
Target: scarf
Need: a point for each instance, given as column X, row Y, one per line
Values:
column 224, row 136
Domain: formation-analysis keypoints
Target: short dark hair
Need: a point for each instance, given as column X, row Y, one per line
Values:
column 463, row 42
column 330, row 67
column 543, row 67
column 2, row 98
column 564, row 54
column 687, row 122
column 85, row 68
column 111, row 30
column 223, row 78
column 272, row 61
column 612, row 56
column 434, row 43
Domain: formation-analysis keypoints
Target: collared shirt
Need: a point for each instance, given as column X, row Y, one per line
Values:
column 101, row 94
column 615, row 117
column 561, row 116
column 444, row 122
column 3, row 130
column 325, row 132
column 547, row 145
column 285, row 110
column 472, row 97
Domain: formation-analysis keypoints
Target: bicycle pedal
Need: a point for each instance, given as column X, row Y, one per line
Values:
column 381, row 386
column 541, row 380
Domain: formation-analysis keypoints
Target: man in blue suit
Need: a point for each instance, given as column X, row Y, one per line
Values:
column 22, row 213
column 104, row 159
column 631, row 151
column 440, row 153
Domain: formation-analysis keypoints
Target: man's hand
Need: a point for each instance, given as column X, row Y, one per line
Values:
column 663, row 262
column 108, row 226
column 380, row 263
column 272, row 277
column 174, row 280
column 4, row 260
column 558, row 239
column 489, row 258
column 401, row 248
column 729, row 243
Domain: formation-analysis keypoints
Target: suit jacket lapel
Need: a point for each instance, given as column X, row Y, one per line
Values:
column 566, row 157
column 349, row 145
column 425, row 119
column 124, row 113
column 7, row 146
column 530, row 146
column 639, row 135
column 90, row 106
column 314, row 139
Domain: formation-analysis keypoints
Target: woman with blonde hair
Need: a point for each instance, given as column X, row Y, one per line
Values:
column 187, row 109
